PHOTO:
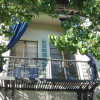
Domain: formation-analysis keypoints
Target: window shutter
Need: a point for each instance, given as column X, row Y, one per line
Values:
column 31, row 49
column 18, row 49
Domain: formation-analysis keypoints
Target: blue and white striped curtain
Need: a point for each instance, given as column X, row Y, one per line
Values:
column 91, row 64
column 18, row 31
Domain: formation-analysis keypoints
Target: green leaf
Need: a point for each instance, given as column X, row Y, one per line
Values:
column 96, row 0
column 82, row 50
column 70, row 30
column 3, row 27
column 68, row 49
column 74, row 50
column 85, row 44
column 79, row 44
column 90, row 35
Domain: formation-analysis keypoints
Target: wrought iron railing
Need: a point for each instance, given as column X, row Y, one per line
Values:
column 25, row 67
column 48, row 74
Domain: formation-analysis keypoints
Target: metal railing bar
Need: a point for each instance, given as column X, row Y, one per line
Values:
column 44, row 59
column 39, row 68
column 48, row 80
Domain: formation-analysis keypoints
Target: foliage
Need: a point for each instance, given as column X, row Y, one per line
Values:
column 78, row 36
column 23, row 10
column 98, row 96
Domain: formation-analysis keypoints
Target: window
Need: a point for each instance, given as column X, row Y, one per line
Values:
column 55, row 54
column 61, row 69
column 25, row 49
column 24, row 67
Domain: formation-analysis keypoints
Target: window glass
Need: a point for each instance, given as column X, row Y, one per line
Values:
column 25, row 49
column 18, row 49
column 55, row 54
column 31, row 49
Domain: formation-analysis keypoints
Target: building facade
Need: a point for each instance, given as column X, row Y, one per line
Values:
column 37, row 65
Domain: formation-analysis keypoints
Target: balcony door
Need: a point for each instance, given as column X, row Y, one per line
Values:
column 60, row 68
column 25, row 67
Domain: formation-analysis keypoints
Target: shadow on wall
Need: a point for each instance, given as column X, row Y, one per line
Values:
column 38, row 95
column 97, row 89
column 96, row 92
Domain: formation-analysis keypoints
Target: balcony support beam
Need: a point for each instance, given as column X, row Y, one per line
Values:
column 6, row 88
column 84, row 95
column 13, row 87
column 90, row 95
column 94, row 86
column 78, row 95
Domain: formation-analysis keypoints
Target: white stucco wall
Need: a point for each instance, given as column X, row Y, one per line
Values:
column 38, row 32
column 80, row 57
column 97, row 89
column 38, row 95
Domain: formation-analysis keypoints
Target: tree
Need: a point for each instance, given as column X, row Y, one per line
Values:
column 76, row 36
column 22, row 10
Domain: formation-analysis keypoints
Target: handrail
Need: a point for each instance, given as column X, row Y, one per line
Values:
column 44, row 68
column 44, row 59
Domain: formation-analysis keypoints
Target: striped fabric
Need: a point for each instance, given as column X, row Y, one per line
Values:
column 18, row 31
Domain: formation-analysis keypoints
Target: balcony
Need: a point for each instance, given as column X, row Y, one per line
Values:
column 47, row 74
column 40, row 68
